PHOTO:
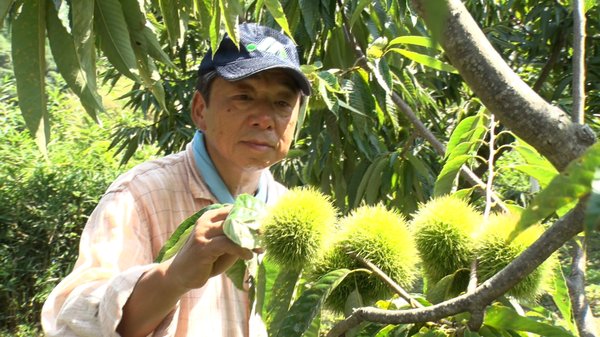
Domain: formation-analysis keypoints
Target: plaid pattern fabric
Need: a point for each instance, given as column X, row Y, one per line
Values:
column 123, row 235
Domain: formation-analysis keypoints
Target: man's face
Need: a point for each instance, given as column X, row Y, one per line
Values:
column 249, row 124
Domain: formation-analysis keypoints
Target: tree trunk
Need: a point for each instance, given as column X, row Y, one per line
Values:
column 542, row 125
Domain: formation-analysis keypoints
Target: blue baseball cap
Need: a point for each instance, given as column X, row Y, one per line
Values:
column 261, row 48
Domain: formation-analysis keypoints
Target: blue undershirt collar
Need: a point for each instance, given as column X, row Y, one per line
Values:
column 213, row 179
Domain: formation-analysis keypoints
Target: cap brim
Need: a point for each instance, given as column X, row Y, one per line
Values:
column 241, row 69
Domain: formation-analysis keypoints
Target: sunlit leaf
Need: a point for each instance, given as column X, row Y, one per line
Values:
column 500, row 317
column 274, row 7
column 422, row 41
column 29, row 64
column 425, row 60
column 215, row 28
column 571, row 184
column 230, row 13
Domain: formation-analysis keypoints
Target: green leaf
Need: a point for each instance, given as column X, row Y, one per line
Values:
column 446, row 179
column 592, row 213
column 215, row 28
column 274, row 7
column 114, row 37
column 310, row 15
column 449, row 286
column 281, row 297
column 180, row 235
column 236, row 273
column 150, row 76
column 570, row 185
column 358, row 10
column 4, row 7
column 29, row 64
column 469, row 129
column 505, row 318
column 537, row 166
column 65, row 55
column 265, row 281
column 309, row 304
column 230, row 13
column 170, row 12
column 425, row 60
column 422, row 41
column 377, row 166
column 242, row 224
column 155, row 50
column 83, row 39
column 560, row 295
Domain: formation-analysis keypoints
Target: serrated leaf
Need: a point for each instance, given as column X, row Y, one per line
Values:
column 65, row 55
column 422, row 41
column 592, row 213
column 425, row 60
column 308, row 305
column 571, row 184
column 28, row 57
column 500, row 317
column 170, row 13
column 114, row 37
column 274, row 7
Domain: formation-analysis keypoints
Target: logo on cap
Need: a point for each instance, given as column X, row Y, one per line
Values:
column 269, row 45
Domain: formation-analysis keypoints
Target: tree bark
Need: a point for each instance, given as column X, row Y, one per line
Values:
column 542, row 125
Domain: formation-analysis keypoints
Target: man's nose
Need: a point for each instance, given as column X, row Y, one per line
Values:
column 262, row 114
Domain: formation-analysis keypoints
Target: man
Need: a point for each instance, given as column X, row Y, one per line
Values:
column 246, row 108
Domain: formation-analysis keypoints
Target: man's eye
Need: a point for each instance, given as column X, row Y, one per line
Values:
column 242, row 97
column 283, row 104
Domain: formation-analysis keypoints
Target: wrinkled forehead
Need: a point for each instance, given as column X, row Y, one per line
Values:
column 278, row 76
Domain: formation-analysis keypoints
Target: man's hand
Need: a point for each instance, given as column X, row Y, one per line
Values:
column 206, row 253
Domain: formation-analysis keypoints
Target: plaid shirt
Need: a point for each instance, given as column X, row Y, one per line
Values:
column 123, row 235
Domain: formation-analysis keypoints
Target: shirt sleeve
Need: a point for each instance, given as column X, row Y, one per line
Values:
column 115, row 250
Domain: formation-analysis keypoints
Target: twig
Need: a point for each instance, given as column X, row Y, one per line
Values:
column 578, row 61
column 383, row 276
column 488, row 188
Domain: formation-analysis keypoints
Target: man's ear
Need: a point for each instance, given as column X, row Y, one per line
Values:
column 198, row 111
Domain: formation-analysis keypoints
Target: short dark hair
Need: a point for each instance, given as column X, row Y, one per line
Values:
column 203, row 84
